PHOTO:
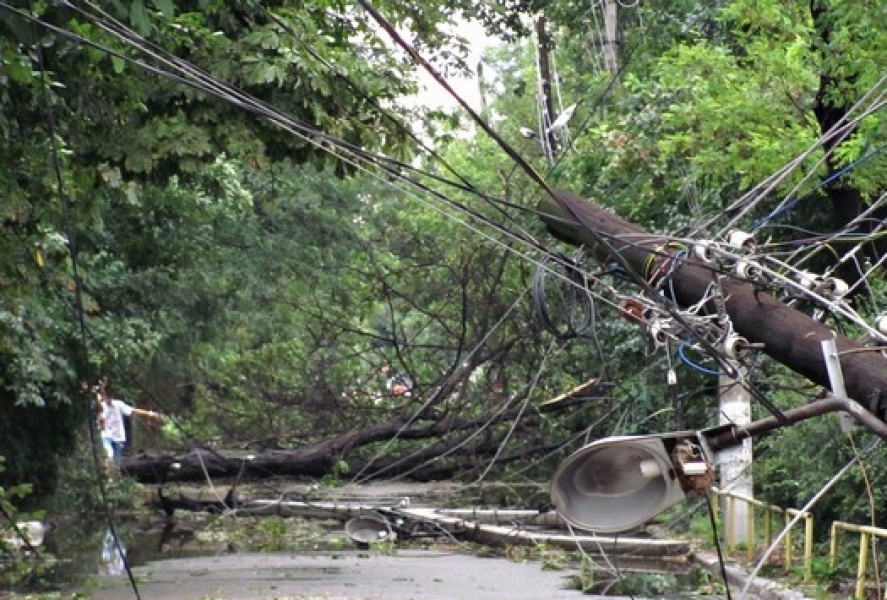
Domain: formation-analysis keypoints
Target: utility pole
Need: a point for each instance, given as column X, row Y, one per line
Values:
column 549, row 143
column 647, row 474
column 734, row 408
column 784, row 333
column 482, row 88
column 611, row 36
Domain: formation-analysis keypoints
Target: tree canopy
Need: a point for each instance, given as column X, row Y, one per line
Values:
column 236, row 213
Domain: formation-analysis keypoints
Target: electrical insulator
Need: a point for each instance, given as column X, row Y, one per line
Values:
column 807, row 279
column 733, row 345
column 702, row 250
column 747, row 269
column 835, row 288
column 658, row 333
column 741, row 240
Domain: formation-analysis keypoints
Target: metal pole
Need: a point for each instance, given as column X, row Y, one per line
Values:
column 731, row 436
column 836, row 378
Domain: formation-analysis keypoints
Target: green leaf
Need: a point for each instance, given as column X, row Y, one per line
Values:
column 118, row 64
column 19, row 71
column 167, row 7
column 139, row 18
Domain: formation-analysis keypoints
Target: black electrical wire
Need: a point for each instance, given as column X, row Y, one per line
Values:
column 195, row 77
column 81, row 318
column 578, row 300
column 717, row 542
column 602, row 240
column 274, row 115
column 615, row 563
column 22, row 536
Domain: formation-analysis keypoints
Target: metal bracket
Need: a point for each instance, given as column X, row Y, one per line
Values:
column 836, row 380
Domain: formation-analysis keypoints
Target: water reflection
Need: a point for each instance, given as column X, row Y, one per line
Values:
column 88, row 549
column 113, row 556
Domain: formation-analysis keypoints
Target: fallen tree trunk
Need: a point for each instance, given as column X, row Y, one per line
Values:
column 457, row 439
column 203, row 464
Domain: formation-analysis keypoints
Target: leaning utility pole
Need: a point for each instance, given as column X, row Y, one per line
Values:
column 611, row 33
column 784, row 333
column 549, row 143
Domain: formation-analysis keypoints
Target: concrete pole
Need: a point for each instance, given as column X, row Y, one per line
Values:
column 734, row 407
column 549, row 142
column 611, row 33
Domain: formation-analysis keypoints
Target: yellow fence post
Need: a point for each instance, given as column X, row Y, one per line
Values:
column 865, row 540
column 808, row 548
column 788, row 541
column 750, row 531
column 865, row 536
column 728, row 526
column 833, row 545
column 863, row 564
column 729, row 499
column 768, row 527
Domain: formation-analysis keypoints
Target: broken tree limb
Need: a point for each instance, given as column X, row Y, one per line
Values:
column 500, row 528
column 787, row 335
column 553, row 402
column 520, row 534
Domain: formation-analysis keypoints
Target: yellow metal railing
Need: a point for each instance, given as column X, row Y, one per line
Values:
column 769, row 510
column 865, row 536
column 866, row 533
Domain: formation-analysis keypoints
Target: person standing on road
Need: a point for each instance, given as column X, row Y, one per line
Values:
column 111, row 423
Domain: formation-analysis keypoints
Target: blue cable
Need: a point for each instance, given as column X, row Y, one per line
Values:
column 788, row 206
column 692, row 364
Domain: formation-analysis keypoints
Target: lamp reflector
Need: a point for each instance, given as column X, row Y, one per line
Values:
column 616, row 484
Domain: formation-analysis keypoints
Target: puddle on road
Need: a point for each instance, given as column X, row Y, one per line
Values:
column 76, row 553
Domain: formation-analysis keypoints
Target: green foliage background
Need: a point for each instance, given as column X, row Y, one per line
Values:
column 253, row 284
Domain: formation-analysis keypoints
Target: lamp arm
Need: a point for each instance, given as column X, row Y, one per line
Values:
column 733, row 435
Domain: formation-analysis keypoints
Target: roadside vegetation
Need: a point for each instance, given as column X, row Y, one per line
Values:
column 271, row 253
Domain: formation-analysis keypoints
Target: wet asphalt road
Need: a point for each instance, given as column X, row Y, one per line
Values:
column 406, row 575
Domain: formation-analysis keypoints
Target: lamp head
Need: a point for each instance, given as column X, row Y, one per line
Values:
column 619, row 483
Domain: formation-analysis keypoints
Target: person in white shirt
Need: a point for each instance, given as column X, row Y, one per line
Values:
column 111, row 424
